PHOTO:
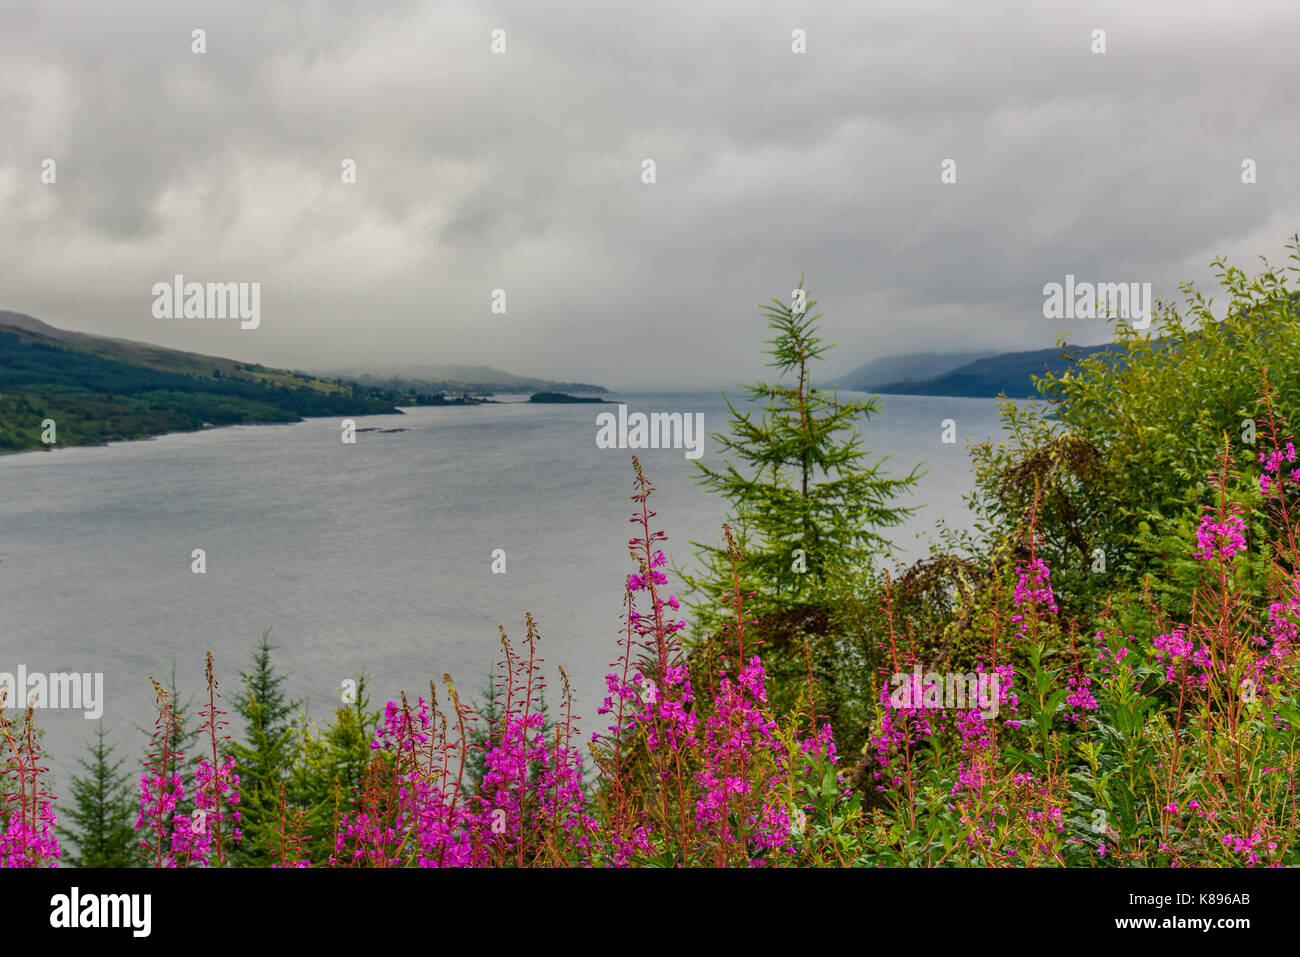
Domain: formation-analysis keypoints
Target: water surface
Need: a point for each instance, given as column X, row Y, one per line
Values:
column 377, row 553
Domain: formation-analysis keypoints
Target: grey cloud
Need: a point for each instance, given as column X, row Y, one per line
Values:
column 522, row 172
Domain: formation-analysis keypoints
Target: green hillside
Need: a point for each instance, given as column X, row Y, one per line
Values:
column 97, row 389
column 1010, row 373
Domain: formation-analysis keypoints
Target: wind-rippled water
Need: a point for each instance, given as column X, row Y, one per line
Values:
column 376, row 554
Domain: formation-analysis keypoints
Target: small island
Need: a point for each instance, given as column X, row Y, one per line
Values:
column 560, row 397
column 443, row 399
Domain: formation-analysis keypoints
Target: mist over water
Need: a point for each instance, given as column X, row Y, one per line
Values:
column 374, row 554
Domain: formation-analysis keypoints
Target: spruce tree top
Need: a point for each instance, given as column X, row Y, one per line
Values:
column 804, row 502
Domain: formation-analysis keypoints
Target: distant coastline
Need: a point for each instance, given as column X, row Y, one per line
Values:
column 62, row 389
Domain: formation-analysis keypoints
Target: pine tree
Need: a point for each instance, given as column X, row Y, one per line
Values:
column 806, row 508
column 264, row 759
column 103, row 816
column 327, row 776
column 187, row 738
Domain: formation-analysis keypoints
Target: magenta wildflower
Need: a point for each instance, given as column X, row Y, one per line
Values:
column 1225, row 538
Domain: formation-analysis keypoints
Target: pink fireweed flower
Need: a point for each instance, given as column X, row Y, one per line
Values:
column 1080, row 697
column 1033, row 586
column 193, row 838
column 904, row 727
column 22, row 845
column 159, row 795
column 1271, row 480
column 1179, row 654
column 820, row 745
column 735, row 736
column 1226, row 538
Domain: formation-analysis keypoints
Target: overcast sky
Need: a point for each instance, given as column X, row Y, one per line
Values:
column 523, row 171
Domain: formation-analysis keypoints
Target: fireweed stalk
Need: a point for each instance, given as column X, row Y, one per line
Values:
column 292, row 834
column 975, row 808
column 27, row 823
column 216, row 785
column 662, row 720
column 717, row 766
column 533, row 785
column 161, row 789
column 529, row 809
column 1232, row 674
column 172, row 839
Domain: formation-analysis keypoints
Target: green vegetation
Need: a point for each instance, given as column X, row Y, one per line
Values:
column 806, row 506
column 326, row 770
column 1121, row 455
column 264, row 757
column 102, row 818
column 1105, row 481
column 561, row 398
column 1126, row 613
column 807, row 513
column 93, row 399
column 98, row 390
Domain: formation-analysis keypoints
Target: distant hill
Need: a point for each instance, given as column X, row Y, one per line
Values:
column 478, row 380
column 913, row 366
column 559, row 398
column 97, row 389
column 1010, row 373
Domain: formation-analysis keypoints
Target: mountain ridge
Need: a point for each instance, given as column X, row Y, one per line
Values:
column 59, row 387
column 1007, row 373
column 906, row 367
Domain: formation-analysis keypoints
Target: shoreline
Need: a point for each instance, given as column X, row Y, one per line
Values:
column 153, row 436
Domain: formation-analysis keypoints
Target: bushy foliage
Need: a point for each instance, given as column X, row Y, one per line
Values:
column 1141, row 709
column 1118, row 456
